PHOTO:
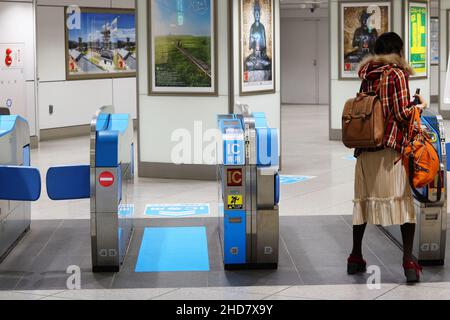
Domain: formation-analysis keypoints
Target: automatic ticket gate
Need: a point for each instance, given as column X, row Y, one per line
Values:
column 249, row 191
column 106, row 182
column 431, row 229
column 19, row 183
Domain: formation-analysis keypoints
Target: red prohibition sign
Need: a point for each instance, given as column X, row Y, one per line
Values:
column 106, row 179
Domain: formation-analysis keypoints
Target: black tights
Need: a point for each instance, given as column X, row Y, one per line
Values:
column 407, row 229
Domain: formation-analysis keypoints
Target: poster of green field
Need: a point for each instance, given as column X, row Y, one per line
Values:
column 183, row 47
column 418, row 38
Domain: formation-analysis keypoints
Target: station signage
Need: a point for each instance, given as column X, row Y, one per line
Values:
column 234, row 178
column 106, row 179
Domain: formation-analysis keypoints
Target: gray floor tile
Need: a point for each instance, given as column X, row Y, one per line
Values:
column 122, row 294
column 337, row 292
column 405, row 292
column 209, row 294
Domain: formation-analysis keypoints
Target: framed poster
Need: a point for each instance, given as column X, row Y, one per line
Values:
column 416, row 33
column 434, row 40
column 360, row 25
column 448, row 37
column 257, row 47
column 100, row 43
column 183, row 47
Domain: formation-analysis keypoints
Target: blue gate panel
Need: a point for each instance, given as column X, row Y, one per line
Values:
column 235, row 237
column 19, row 183
column 69, row 183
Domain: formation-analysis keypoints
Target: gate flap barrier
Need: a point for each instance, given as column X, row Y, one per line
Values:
column 69, row 183
column 23, row 183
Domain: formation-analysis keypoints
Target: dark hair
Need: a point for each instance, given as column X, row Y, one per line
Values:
column 389, row 43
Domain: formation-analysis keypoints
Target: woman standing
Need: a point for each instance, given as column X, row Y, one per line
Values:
column 382, row 192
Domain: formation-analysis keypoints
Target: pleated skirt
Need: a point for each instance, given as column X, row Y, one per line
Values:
column 382, row 192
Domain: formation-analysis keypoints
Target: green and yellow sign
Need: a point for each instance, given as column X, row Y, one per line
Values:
column 418, row 38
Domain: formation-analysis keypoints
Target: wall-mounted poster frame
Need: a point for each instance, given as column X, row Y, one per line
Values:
column 417, row 45
column 379, row 13
column 434, row 41
column 257, row 71
column 183, row 62
column 102, row 43
column 448, row 36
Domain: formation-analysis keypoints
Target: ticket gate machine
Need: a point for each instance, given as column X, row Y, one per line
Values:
column 431, row 229
column 249, row 191
column 19, row 183
column 106, row 182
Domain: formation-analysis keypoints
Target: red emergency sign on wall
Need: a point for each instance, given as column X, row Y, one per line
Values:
column 8, row 59
column 106, row 179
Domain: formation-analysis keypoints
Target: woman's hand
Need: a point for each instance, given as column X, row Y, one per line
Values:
column 422, row 103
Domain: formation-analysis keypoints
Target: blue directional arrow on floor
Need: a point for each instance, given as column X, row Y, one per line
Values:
column 350, row 158
column 177, row 210
column 285, row 180
column 126, row 210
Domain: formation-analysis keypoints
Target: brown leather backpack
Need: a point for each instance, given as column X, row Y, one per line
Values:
column 363, row 121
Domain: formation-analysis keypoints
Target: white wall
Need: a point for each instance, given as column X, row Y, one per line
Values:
column 341, row 90
column 159, row 116
column 17, row 26
column 74, row 102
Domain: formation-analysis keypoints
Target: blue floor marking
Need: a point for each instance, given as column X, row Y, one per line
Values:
column 350, row 158
column 177, row 210
column 294, row 179
column 173, row 250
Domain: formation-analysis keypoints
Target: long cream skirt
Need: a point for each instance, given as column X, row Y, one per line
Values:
column 382, row 192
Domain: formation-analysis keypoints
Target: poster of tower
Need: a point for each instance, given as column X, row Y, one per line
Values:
column 100, row 43
column 361, row 23
column 257, row 44
column 183, row 47
column 417, row 26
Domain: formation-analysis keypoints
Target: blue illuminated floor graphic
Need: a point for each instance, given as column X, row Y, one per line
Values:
column 177, row 210
column 173, row 250
column 349, row 158
column 286, row 180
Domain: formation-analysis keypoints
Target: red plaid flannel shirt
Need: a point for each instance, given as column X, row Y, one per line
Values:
column 396, row 100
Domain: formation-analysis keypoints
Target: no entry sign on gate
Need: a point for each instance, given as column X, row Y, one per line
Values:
column 106, row 179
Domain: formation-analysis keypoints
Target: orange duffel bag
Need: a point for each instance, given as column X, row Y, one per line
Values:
column 421, row 159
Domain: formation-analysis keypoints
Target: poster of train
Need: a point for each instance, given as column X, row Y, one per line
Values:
column 361, row 23
column 100, row 43
column 183, row 47
column 257, row 44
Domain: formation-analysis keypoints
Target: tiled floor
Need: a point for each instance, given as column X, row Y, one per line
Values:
column 315, row 235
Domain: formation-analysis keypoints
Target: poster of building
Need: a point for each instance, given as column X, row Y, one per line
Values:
column 100, row 43
column 257, row 43
column 183, row 47
column 361, row 23
column 417, row 26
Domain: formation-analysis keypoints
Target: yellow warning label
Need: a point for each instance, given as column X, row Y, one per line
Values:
column 235, row 202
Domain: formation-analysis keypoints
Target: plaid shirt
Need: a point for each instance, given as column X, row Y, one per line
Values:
column 395, row 97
